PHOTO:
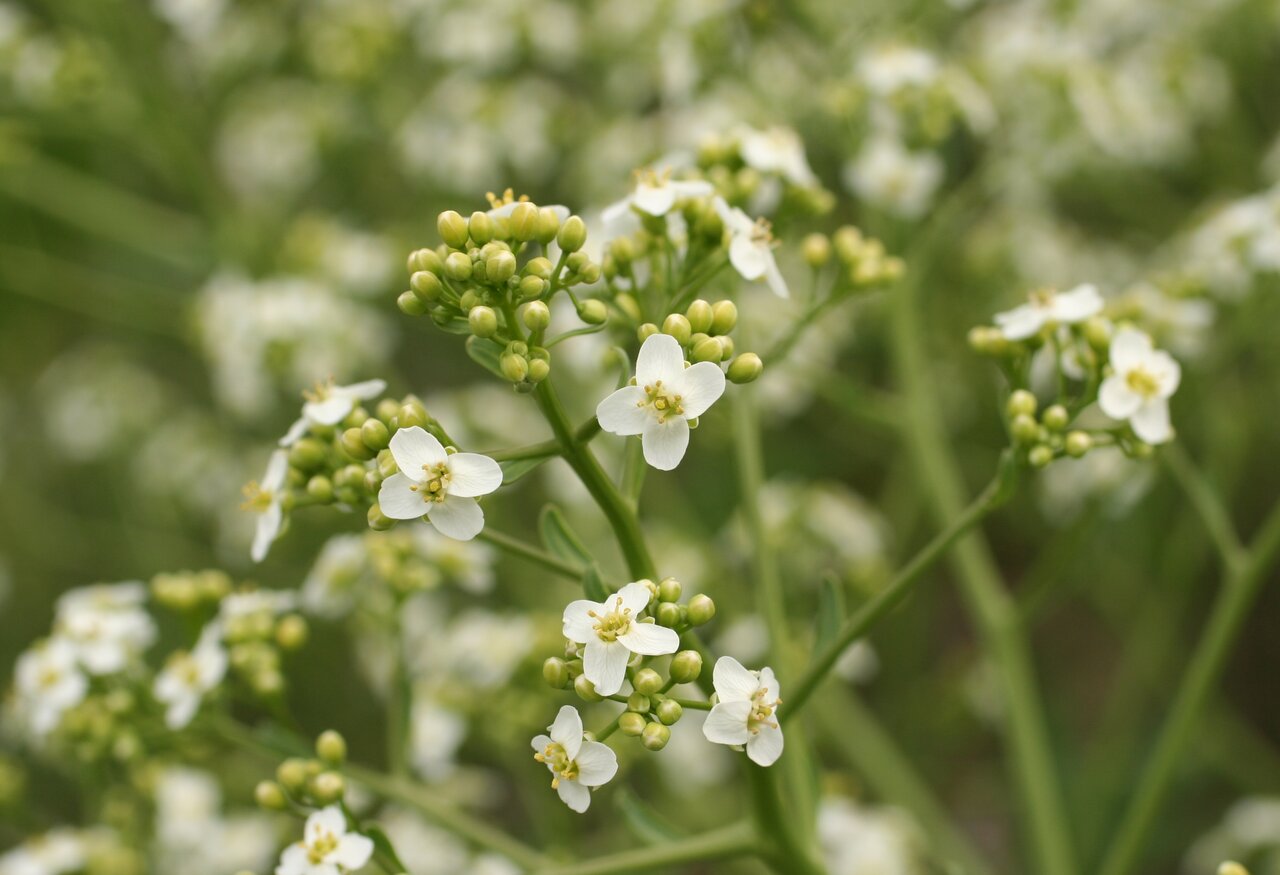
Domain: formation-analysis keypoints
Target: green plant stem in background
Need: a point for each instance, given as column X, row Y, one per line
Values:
column 1207, row 504
column 582, row 435
column 534, row 554
column 1229, row 613
column 789, row 850
column 735, row 840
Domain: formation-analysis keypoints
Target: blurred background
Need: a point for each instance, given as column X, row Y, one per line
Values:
column 205, row 208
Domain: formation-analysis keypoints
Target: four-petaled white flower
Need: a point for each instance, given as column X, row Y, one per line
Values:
column 744, row 716
column 329, row 404
column 439, row 485
column 49, row 682
column 574, row 762
column 776, row 150
column 106, row 623
column 656, row 193
column 666, row 396
column 182, row 684
column 1048, row 307
column 1139, row 389
column 751, row 248
column 266, row 499
column 327, row 848
column 612, row 631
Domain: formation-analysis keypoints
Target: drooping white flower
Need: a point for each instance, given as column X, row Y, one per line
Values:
column 612, row 630
column 439, row 485
column 666, row 396
column 1139, row 389
column 656, row 193
column 744, row 716
column 182, row 684
column 751, row 248
column 575, row 763
column 329, row 404
column 266, row 500
column 327, row 848
column 106, row 624
column 776, row 150
column 1048, row 307
column 49, row 682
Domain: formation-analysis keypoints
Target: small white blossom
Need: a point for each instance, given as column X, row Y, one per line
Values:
column 1139, row 389
column 326, row 847
column 182, row 684
column 776, row 150
column 656, row 193
column 105, row 624
column 49, row 682
column 744, row 716
column 329, row 404
column 56, row 852
column 612, row 631
column 265, row 499
column 1047, row 307
column 751, row 248
column 439, row 485
column 575, row 764
column 865, row 840
column 666, row 396
column 889, row 175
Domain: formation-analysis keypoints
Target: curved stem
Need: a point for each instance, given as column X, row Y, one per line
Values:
column 534, row 554
column 735, row 840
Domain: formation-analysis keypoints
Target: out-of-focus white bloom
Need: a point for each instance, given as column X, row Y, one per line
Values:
column 482, row 649
column 192, row 836
column 575, row 764
column 329, row 404
column 888, row 175
column 106, row 624
column 266, row 500
column 1105, row 475
column 56, row 852
column 776, row 150
column 188, row 676
column 861, row 840
column 238, row 606
column 656, row 193
column 1181, row 324
column 751, row 248
column 891, row 68
column 1250, row 828
column 1141, row 386
column 437, row 484
column 1048, row 307
column 666, row 396
column 196, row 20
column 435, row 734
column 49, row 682
column 612, row 630
column 744, row 714
column 1236, row 243
column 432, row 850
column 330, row 588
column 327, row 848
column 688, row 765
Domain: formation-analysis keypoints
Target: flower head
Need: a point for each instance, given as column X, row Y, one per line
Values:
column 266, row 500
column 655, row 193
column 106, row 624
column 776, row 150
column 745, row 714
column 1048, row 307
column 329, row 404
column 1140, row 387
column 327, row 848
column 49, row 682
column 575, row 763
column 182, row 684
column 612, row 630
column 439, row 485
column 751, row 248
column 666, row 396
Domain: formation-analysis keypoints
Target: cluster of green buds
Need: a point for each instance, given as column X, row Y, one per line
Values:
column 1046, row 434
column 860, row 261
column 302, row 783
column 191, row 592
column 103, row 728
column 704, row 332
column 256, row 643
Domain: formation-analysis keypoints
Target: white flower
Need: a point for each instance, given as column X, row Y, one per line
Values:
column 776, row 150
column 106, row 624
column 265, row 499
column 182, row 684
column 865, row 840
column 891, row 68
column 329, row 404
column 889, row 175
column 612, row 631
column 326, row 847
column 751, row 248
column 666, row 396
column 1047, row 307
column 503, row 206
column 56, row 852
column 744, row 714
column 435, row 734
column 656, row 193
column 1140, row 387
column 440, row 485
column 49, row 682
column 575, row 763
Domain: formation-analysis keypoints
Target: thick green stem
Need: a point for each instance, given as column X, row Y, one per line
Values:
column 735, row 840
column 787, row 848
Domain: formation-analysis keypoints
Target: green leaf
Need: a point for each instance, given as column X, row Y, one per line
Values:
column 383, row 848
column 558, row 538
column 486, row 353
column 645, row 824
column 455, row 325
column 514, row 469
column 593, row 585
column 831, row 610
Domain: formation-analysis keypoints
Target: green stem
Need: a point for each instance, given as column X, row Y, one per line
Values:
column 584, row 434
column 1212, row 513
column 735, row 840
column 534, row 554
column 787, row 850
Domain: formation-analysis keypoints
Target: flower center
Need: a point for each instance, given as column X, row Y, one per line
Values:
column 651, row 178
column 319, row 393
column 663, row 402
column 762, row 711
column 434, row 484
column 49, row 678
column 1143, row 382
column 555, row 756
column 612, row 623
column 256, row 499
column 1042, row 298
column 324, row 845
column 507, row 197
column 762, row 233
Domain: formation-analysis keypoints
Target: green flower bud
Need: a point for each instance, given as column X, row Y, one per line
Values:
column 483, row 321
column 426, row 285
column 354, row 446
column 411, row 305
column 320, row 488
column 412, row 414
column 268, row 683
column 458, row 266
column 292, row 774
column 1097, row 331
column 523, row 222
column 817, row 250
column 700, row 316
column 328, row 787
column 623, row 250
column 539, row 370
column 708, row 350
column 585, row 689
column 1025, row 430
column 373, row 480
column 1021, row 402
column 453, row 230
column 555, row 671
column 1040, row 456
column 540, row 267
column 548, row 225
column 626, row 302
column 669, row 711
column 514, row 367
column 590, row 274
column 632, row 724
column 480, row 227
column 375, row 435
column 1078, row 444
column 639, row 702
column 726, row 347
column 292, row 632
column 1056, row 417
column 572, row 234
column 746, row 368
column 500, row 268
column 668, row 614
column 647, row 681
column 593, row 311
column 269, row 796
column 531, row 288
column 724, row 316
column 669, row 590
column 655, row 736
column 848, row 243
column 678, row 327
column 645, row 331
column 379, row 521
column 355, row 418
column 986, row 340
column 331, row 747
column 307, row 454
column 349, row 477
column 425, row 260
column 686, row 666
column 536, row 316
column 701, row 609
column 386, row 410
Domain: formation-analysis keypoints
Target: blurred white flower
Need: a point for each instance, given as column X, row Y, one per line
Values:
column 331, row 586
column 266, row 500
column 890, row 68
column 744, row 716
column 1049, row 307
column 106, row 624
column 575, row 764
column 1140, row 388
column 435, row 734
column 751, row 248
column 192, row 835
column 612, row 630
column 655, row 193
column 442, row 486
column 862, row 840
column 327, row 847
column 888, row 175
column 56, row 852
column 189, row 675
column 329, row 404
column 776, row 150
column 49, row 682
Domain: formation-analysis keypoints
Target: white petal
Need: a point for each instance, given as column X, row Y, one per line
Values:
column 1129, row 349
column 1078, row 304
column 691, row 188
column 567, row 730
column 699, row 387
column 597, row 764
column 750, row 259
column 579, row 625
column 1151, row 421
column 624, row 411
column 294, row 860
column 765, row 746
column 1021, row 322
column 656, row 200
column 472, row 474
column 277, row 470
column 459, row 518
column 735, row 220
column 364, row 390
column 269, row 522
column 330, row 411
column 633, row 597
column 769, row 683
column 1116, row 399
column 665, row 442
column 1166, row 370
column 573, row 794
column 650, row 639
column 727, row 723
column 773, row 276
column 660, row 358
column 353, row 851
column 398, row 500
column 413, row 448
column 733, row 681
column 615, row 213
column 295, row 432
column 605, row 665
column 181, row 710
column 329, row 821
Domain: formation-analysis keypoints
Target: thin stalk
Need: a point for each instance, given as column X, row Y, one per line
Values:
column 582, row 435
column 735, row 840
column 534, row 554
column 1207, row 504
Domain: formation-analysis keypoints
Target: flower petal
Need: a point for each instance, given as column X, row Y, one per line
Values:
column 398, row 500
column 326, row 821
column 656, row 200
column 727, row 723
column 699, row 387
column 691, row 188
column 650, row 639
column 733, row 681
column 295, row 432
column 1129, row 349
column 579, row 625
column 1166, row 370
column 748, row 258
column 773, row 277
column 472, row 474
column 633, row 597
column 769, row 683
column 573, row 794
column 1151, row 422
column 1021, row 322
column 1116, row 399
column 765, row 746
column 353, row 851
column 666, row 442
column 269, row 522
column 457, row 517
column 567, row 730
column 1078, row 304
column 660, row 358
column 330, row 411
column 605, row 665
column 540, row 742
column 364, row 390
column 294, row 860
column 624, row 412
column 413, row 448
column 277, row 470
column 597, row 764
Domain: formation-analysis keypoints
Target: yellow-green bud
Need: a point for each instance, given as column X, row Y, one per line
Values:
column 555, row 671
column 307, row 454
column 592, row 311
column 532, row 287
column 817, row 250
column 1021, row 402
column 410, row 415
column 331, row 747
column 639, row 702
column 669, row 590
column 292, row 632
column 483, row 321
column 539, row 370
column 708, row 350
column 745, row 368
column 292, row 774
column 632, row 724
column 700, row 316
column 514, row 367
column 269, row 796
column 1078, row 443
column 328, row 787
column 480, row 227
column 627, row 304
column 572, row 234
column 375, row 434
column 523, row 222
column 320, row 488
column 458, row 266
column 354, row 446
column 536, row 316
column 1040, row 455
column 623, row 250
column 540, row 267
column 847, row 242
column 724, row 316
column 425, row 259
column 378, row 521
column 726, row 347
column 647, row 681
column 410, row 304
column 686, row 666
column 426, row 285
column 500, row 268
column 645, row 331
column 585, row 689
column 1097, row 331
column 548, row 225
column 669, row 711
column 453, row 229
column 701, row 609
column 1025, row 429
column 668, row 614
column 655, row 736
column 1056, row 417
column 1230, row 867
column 678, row 327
